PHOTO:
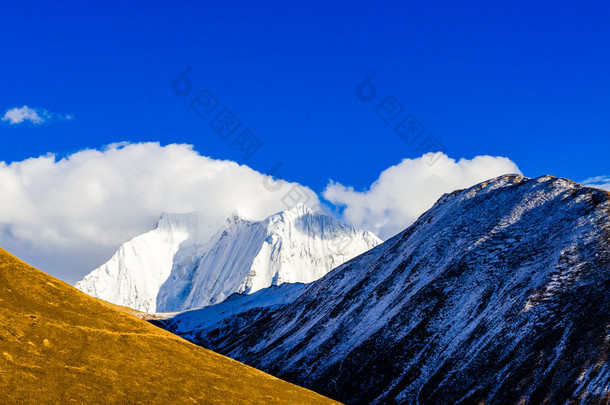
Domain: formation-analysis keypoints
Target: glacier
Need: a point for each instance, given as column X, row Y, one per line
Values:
column 184, row 263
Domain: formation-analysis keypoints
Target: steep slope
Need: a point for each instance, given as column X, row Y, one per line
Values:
column 211, row 325
column 498, row 294
column 58, row 345
column 169, row 269
column 134, row 274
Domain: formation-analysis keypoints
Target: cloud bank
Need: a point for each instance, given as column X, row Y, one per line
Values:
column 405, row 191
column 68, row 216
column 36, row 116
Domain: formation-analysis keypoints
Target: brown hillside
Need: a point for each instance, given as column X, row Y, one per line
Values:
column 58, row 345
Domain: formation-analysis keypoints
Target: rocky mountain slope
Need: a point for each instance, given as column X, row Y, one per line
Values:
column 58, row 345
column 211, row 325
column 498, row 294
column 180, row 266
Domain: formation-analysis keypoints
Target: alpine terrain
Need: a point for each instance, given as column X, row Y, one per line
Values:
column 498, row 294
column 60, row 346
column 182, row 264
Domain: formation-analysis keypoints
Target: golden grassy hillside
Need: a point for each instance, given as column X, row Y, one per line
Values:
column 58, row 345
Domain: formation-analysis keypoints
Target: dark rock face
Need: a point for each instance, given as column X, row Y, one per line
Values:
column 498, row 294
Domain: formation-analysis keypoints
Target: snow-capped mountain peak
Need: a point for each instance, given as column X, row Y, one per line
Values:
column 192, row 222
column 184, row 264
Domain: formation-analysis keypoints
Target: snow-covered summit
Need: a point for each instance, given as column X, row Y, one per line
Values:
column 183, row 263
column 170, row 222
column 133, row 275
column 293, row 246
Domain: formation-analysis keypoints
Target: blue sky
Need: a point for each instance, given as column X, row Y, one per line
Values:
column 524, row 80
column 527, row 81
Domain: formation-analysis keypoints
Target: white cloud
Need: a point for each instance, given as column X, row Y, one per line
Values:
column 405, row 191
column 602, row 182
column 18, row 115
column 36, row 116
column 68, row 216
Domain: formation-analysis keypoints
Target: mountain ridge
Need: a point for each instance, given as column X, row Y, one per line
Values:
column 497, row 294
column 177, row 267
